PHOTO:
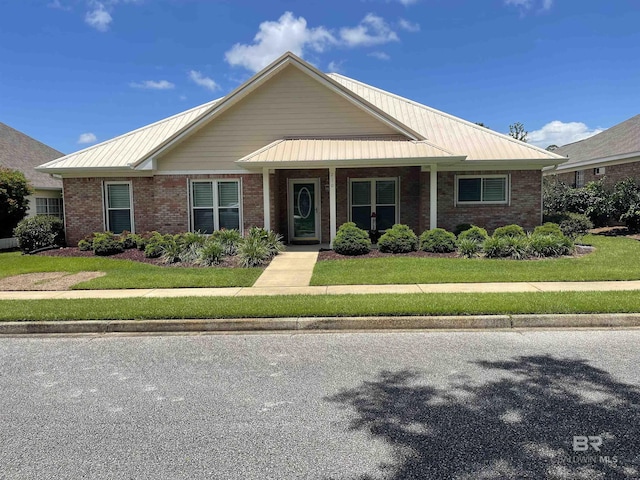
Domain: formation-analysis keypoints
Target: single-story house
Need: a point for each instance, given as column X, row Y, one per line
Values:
column 301, row 152
column 612, row 155
column 21, row 152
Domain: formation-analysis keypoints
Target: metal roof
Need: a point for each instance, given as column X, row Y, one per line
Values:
column 621, row 140
column 345, row 150
column 126, row 149
column 21, row 152
column 447, row 131
column 443, row 132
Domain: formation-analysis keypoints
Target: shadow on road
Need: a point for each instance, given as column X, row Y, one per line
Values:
column 521, row 424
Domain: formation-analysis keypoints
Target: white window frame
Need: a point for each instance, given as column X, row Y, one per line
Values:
column 105, row 194
column 506, row 201
column 598, row 171
column 47, row 206
column 216, row 207
column 579, row 178
column 372, row 180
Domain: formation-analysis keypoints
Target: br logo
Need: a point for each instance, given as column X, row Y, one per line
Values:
column 582, row 443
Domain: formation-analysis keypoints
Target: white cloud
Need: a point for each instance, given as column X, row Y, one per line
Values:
column 203, row 81
column 58, row 5
column 406, row 3
column 372, row 30
column 153, row 85
column 379, row 55
column 408, row 26
column 273, row 39
column 98, row 17
column 560, row 133
column 86, row 138
column 529, row 4
column 335, row 67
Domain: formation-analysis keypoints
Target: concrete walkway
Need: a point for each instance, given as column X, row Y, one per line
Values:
column 288, row 269
column 328, row 290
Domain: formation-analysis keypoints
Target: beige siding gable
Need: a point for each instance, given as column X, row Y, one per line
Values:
column 288, row 105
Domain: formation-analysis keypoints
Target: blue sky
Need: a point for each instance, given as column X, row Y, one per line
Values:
column 77, row 72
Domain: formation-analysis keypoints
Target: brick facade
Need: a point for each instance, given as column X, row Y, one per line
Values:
column 612, row 175
column 161, row 202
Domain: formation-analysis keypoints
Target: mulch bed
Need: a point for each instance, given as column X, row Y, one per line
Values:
column 133, row 254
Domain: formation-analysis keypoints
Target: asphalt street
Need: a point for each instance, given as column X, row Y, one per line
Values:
column 433, row 405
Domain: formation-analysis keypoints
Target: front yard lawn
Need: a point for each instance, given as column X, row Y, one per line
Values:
column 321, row 305
column 615, row 258
column 126, row 273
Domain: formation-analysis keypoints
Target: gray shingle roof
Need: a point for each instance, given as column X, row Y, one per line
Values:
column 621, row 139
column 21, row 152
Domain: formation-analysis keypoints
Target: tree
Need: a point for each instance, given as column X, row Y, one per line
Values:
column 481, row 124
column 518, row 132
column 551, row 148
column 14, row 189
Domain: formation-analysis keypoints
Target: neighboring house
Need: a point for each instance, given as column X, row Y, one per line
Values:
column 613, row 155
column 21, row 152
column 301, row 152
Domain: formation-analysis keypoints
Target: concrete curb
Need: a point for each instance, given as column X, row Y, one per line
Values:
column 301, row 324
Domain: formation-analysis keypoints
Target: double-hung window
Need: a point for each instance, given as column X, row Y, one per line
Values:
column 49, row 206
column 488, row 189
column 215, row 204
column 374, row 203
column 579, row 178
column 118, row 207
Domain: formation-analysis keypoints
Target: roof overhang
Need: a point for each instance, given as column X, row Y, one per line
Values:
column 95, row 172
column 593, row 162
column 347, row 152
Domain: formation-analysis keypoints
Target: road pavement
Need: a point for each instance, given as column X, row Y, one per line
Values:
column 322, row 406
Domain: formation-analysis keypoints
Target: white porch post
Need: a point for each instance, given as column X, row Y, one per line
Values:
column 433, row 197
column 266, row 199
column 332, row 204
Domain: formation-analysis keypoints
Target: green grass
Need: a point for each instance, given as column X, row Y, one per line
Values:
column 314, row 306
column 615, row 258
column 126, row 273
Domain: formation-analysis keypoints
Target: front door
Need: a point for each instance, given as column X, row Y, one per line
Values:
column 304, row 210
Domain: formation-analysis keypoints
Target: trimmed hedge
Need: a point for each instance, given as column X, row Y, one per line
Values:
column 475, row 233
column 41, row 231
column 398, row 239
column 351, row 240
column 438, row 240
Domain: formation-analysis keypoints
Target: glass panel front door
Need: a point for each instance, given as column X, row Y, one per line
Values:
column 304, row 210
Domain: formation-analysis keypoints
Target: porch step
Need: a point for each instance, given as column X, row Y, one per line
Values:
column 289, row 269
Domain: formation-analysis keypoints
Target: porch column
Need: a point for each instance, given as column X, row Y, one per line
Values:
column 332, row 204
column 266, row 199
column 433, row 197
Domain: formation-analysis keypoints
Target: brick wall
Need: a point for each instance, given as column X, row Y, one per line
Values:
column 524, row 210
column 613, row 174
column 159, row 203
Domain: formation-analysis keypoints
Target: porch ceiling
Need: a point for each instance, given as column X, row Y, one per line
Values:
column 316, row 152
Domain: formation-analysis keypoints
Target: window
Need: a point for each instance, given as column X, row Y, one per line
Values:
column 49, row 206
column 579, row 178
column 493, row 189
column 598, row 171
column 374, row 203
column 118, row 202
column 215, row 205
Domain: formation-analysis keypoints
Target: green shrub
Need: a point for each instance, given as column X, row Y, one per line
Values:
column 171, row 248
column 143, row 240
column 461, row 227
column 85, row 245
column 351, row 240
column 509, row 231
column 229, row 239
column 14, row 201
column 106, row 243
column 495, row 247
column 468, row 248
column 575, row 225
column 477, row 234
column 631, row 218
column 253, row 251
column 153, row 250
column 548, row 228
column 211, row 253
column 398, row 239
column 191, row 238
column 271, row 239
column 127, row 239
column 438, row 240
column 38, row 232
column 550, row 245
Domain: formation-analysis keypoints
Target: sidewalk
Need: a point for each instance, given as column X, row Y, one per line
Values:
column 329, row 290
